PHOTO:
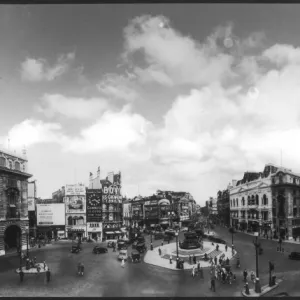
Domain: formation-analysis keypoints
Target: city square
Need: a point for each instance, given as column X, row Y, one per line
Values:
column 149, row 150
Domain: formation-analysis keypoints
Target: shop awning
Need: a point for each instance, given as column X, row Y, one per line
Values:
column 109, row 232
column 118, row 232
column 12, row 205
column 164, row 222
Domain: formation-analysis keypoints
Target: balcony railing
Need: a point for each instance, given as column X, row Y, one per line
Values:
column 12, row 215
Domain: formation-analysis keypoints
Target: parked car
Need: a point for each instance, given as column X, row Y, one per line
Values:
column 294, row 255
column 135, row 256
column 158, row 236
column 99, row 249
column 123, row 255
column 141, row 247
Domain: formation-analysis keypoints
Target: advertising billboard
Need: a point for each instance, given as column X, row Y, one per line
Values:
column 50, row 214
column 93, row 205
column 111, row 194
column 75, row 204
column 75, row 190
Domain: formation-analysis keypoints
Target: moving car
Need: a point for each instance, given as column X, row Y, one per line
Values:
column 215, row 239
column 110, row 244
column 123, row 255
column 170, row 232
column 122, row 244
column 294, row 255
column 75, row 249
column 135, row 256
column 141, row 247
column 99, row 249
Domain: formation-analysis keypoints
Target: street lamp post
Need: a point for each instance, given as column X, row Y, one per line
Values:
column 271, row 268
column 27, row 238
column 256, row 243
column 20, row 248
column 177, row 255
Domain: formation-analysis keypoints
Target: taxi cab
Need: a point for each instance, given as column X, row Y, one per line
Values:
column 123, row 254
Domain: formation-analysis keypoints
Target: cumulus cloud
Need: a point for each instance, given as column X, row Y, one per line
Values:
column 118, row 87
column 31, row 132
column 114, row 131
column 171, row 57
column 35, row 70
column 71, row 107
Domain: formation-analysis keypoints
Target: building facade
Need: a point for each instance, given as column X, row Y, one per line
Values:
column 127, row 213
column 285, row 203
column 223, row 207
column 94, row 214
column 14, row 221
column 112, row 206
column 251, row 201
column 75, row 214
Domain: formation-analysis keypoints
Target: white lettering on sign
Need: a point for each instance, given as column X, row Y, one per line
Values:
column 111, row 190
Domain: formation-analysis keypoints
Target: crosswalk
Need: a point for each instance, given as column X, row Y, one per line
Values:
column 214, row 253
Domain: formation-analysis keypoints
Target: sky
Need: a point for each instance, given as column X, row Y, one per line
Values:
column 182, row 97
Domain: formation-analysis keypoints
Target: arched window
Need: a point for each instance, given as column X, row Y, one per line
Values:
column 265, row 200
column 243, row 201
column 70, row 221
column 249, row 200
column 237, row 202
column 17, row 166
column 10, row 164
column 280, row 178
column 252, row 200
column 80, row 221
column 2, row 162
column 256, row 200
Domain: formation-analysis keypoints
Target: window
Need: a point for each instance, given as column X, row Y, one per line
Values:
column 70, row 221
column 24, row 168
column 280, row 178
column 10, row 164
column 257, row 199
column 265, row 200
column 249, row 200
column 2, row 162
column 295, row 212
column 252, row 200
column 80, row 221
column 17, row 166
column 237, row 202
column 294, row 180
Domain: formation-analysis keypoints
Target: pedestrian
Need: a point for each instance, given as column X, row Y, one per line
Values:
column 193, row 272
column 38, row 268
column 162, row 243
column 190, row 259
column 217, row 247
column 79, row 268
column 252, row 276
column 82, row 269
column 34, row 260
column 216, row 260
column 223, row 277
column 21, row 275
column 48, row 275
column 44, row 265
column 245, row 274
column 198, row 266
column 194, row 259
column 213, row 284
column 170, row 259
column 227, row 261
column 159, row 251
column 123, row 263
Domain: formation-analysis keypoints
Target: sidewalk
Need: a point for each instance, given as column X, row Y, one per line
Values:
column 264, row 290
column 153, row 257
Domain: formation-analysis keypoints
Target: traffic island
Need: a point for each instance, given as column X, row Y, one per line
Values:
column 168, row 256
column 34, row 270
column 264, row 290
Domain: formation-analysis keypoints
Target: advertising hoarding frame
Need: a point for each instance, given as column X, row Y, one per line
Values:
column 50, row 215
column 93, row 206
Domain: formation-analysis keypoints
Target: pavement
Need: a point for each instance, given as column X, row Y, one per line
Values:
column 153, row 257
column 264, row 290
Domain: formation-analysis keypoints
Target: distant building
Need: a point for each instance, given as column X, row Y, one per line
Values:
column 14, row 221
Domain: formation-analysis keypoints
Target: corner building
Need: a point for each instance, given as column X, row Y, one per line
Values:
column 14, row 222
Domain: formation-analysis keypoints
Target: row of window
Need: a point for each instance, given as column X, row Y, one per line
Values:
column 16, row 165
column 251, row 201
column 251, row 216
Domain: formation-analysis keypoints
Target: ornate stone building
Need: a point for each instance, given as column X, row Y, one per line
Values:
column 259, row 202
column 14, row 222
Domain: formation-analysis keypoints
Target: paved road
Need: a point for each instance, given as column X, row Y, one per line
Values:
column 285, row 268
column 105, row 277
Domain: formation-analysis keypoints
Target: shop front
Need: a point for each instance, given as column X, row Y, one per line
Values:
column 112, row 234
column 50, row 232
column 94, row 231
column 77, row 232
